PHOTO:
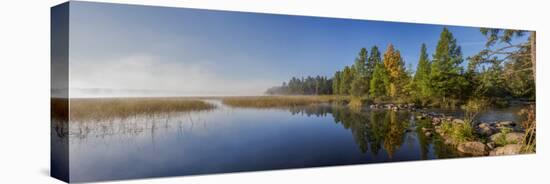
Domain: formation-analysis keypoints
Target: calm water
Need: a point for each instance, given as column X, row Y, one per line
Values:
column 239, row 139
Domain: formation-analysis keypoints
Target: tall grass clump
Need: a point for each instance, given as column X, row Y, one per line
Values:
column 458, row 132
column 108, row 108
column 462, row 132
column 501, row 139
column 472, row 108
column 530, row 126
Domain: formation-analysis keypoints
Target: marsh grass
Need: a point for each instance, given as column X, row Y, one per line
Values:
column 281, row 101
column 530, row 127
column 458, row 132
column 110, row 108
column 462, row 132
column 136, row 125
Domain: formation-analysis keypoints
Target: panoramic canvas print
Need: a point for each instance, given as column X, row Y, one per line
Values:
column 145, row 91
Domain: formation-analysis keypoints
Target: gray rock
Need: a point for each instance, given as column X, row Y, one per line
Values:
column 512, row 137
column 458, row 121
column 515, row 137
column 395, row 108
column 496, row 137
column 449, row 141
column 510, row 149
column 473, row 148
column 506, row 124
column 483, row 125
column 486, row 131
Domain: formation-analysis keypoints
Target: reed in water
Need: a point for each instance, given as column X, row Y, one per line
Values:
column 109, row 108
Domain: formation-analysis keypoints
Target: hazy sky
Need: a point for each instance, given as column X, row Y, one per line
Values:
column 124, row 50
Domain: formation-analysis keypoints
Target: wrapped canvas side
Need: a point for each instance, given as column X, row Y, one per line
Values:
column 59, row 92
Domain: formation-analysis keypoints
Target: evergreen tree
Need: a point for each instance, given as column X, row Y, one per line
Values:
column 359, row 84
column 318, row 85
column 490, row 82
column 519, row 81
column 347, row 78
column 422, row 75
column 379, row 82
column 373, row 60
column 336, row 83
column 359, row 87
column 446, row 75
column 517, row 58
column 361, row 63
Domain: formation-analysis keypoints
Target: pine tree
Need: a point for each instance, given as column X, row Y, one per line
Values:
column 446, row 77
column 347, row 78
column 379, row 82
column 336, row 83
column 422, row 75
column 361, row 63
column 359, row 84
column 373, row 60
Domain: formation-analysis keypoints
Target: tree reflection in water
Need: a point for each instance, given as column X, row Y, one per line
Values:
column 372, row 130
column 376, row 129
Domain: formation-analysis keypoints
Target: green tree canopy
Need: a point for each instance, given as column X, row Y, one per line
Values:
column 347, row 78
column 422, row 75
column 446, row 77
column 359, row 84
column 380, row 81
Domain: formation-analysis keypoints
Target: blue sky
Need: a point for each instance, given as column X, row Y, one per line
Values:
column 121, row 49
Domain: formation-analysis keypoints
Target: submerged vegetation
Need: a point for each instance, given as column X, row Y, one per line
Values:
column 108, row 108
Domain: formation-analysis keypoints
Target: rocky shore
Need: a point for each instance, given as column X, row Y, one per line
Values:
column 489, row 138
column 395, row 107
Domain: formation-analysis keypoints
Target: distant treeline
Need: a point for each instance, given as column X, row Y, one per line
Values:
column 503, row 69
column 319, row 85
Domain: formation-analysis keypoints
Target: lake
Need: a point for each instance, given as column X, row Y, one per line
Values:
column 229, row 139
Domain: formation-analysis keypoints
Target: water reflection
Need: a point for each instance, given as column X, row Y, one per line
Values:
column 234, row 139
column 373, row 130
